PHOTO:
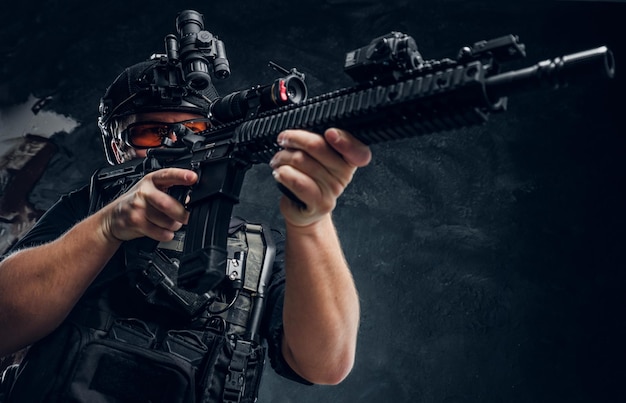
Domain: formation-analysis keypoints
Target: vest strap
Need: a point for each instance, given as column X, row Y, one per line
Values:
column 236, row 376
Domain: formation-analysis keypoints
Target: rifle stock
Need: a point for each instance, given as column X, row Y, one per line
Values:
column 432, row 97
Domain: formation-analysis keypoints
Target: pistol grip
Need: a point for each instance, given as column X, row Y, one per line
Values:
column 301, row 205
column 180, row 193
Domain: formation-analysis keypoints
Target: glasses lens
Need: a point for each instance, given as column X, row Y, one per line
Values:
column 151, row 134
column 196, row 126
column 147, row 135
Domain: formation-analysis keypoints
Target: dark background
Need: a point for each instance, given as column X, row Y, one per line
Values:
column 489, row 260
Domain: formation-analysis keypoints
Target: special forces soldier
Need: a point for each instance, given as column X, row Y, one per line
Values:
column 104, row 326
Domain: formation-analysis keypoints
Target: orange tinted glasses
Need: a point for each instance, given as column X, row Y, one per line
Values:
column 143, row 135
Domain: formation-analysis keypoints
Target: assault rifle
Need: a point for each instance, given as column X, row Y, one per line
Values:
column 397, row 94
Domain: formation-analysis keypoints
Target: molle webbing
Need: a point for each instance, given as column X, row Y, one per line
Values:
column 100, row 356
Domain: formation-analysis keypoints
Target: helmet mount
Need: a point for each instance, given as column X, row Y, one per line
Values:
column 176, row 81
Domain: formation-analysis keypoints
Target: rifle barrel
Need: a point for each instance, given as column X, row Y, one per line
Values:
column 555, row 73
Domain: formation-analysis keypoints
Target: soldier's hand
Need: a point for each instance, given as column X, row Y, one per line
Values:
column 316, row 169
column 147, row 210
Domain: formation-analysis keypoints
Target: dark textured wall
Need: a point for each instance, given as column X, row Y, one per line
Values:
column 489, row 260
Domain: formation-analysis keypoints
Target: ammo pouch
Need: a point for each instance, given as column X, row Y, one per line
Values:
column 129, row 364
column 97, row 357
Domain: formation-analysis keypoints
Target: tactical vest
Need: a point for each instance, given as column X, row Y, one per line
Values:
column 214, row 355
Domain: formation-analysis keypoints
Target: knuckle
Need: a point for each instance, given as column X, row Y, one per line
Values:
column 316, row 143
column 298, row 158
column 337, row 189
column 297, row 184
column 159, row 203
column 175, row 226
column 347, row 178
column 329, row 206
column 134, row 218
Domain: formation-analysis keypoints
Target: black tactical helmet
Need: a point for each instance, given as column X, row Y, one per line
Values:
column 150, row 86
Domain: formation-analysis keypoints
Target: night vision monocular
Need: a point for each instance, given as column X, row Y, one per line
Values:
column 198, row 51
